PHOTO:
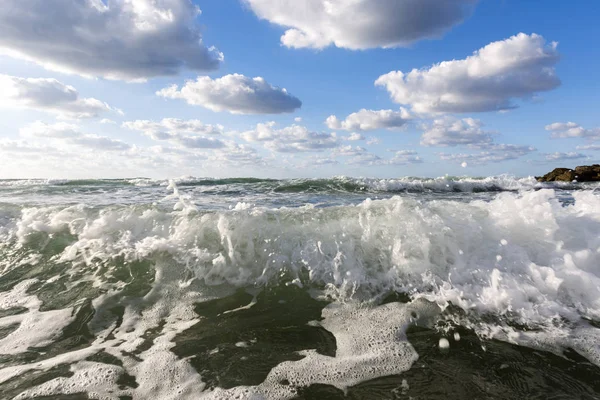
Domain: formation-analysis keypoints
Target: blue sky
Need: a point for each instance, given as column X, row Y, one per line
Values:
column 121, row 121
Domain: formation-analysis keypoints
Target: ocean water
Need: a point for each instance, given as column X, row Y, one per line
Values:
column 448, row 288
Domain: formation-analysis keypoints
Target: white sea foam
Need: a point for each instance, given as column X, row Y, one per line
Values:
column 521, row 257
column 439, row 184
column 97, row 380
column 370, row 343
column 442, row 250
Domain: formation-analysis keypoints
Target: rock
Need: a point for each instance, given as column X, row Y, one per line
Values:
column 590, row 173
column 584, row 173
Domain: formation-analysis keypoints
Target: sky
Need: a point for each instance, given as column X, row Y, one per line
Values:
column 297, row 88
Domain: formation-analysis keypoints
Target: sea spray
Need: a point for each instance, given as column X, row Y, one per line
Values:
column 94, row 282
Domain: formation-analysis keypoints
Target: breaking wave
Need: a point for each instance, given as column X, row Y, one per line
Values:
column 523, row 267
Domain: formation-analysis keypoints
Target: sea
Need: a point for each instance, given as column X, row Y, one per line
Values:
column 340, row 288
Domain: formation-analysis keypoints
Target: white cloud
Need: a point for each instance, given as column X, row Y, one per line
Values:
column 48, row 150
column 70, row 134
column 373, row 140
column 494, row 153
column 189, row 133
column 48, row 95
column 348, row 151
column 469, row 132
column 362, row 157
column 169, row 128
column 291, row 139
column 234, row 93
column 237, row 154
column 404, row 157
column 41, row 130
column 198, row 142
column 107, row 121
column 565, row 156
column 16, row 148
column 354, row 137
column 298, row 119
column 513, row 149
column 572, row 130
column 368, row 120
column 489, row 80
column 366, row 159
column 116, row 39
column 361, row 24
column 100, row 143
column 313, row 162
column 592, row 147
column 450, row 131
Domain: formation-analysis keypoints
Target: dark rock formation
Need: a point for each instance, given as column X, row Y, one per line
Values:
column 584, row 173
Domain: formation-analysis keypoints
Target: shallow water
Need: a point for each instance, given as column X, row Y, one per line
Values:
column 322, row 289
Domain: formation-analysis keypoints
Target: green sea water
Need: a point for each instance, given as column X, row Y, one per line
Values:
column 449, row 288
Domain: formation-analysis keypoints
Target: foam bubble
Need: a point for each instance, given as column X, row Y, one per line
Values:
column 444, row 344
column 522, row 257
column 97, row 380
column 371, row 343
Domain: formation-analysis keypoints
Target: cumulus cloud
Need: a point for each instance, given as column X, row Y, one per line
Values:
column 373, row 140
column 361, row 156
column 290, row 139
column 70, row 134
column 494, row 153
column 198, row 142
column 169, row 128
column 237, row 154
column 592, row 147
column 234, row 93
column 100, row 143
column 320, row 162
column 565, row 156
column 48, row 95
column 366, row 159
column 115, row 39
column 369, row 120
column 49, row 150
column 450, row 132
column 572, row 130
column 348, row 151
column 361, row 24
column 190, row 133
column 489, row 80
column 57, row 131
column 16, row 148
column 354, row 137
column 402, row 157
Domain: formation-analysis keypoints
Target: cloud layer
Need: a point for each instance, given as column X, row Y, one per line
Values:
column 369, row 120
column 48, row 95
column 561, row 130
column 185, row 133
column 558, row 156
column 489, row 80
column 171, row 127
column 70, row 134
column 494, row 153
column 236, row 94
column 115, row 39
column 290, row 139
column 361, row 24
column 450, row 132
